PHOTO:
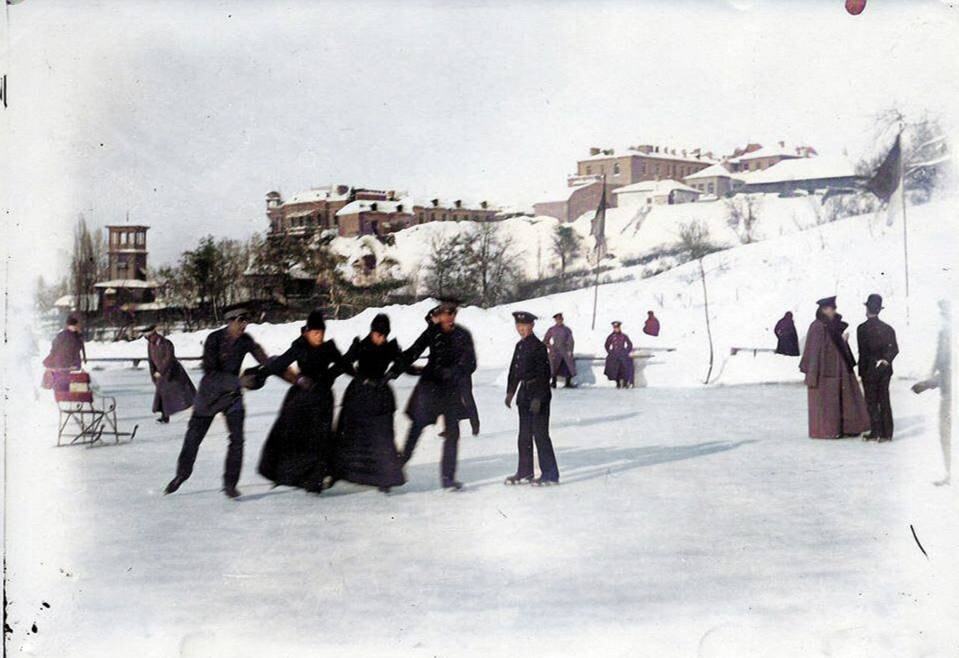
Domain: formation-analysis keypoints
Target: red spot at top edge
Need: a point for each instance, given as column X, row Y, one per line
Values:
column 855, row 7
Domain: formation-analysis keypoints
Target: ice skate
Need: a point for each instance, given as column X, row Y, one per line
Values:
column 173, row 485
column 518, row 479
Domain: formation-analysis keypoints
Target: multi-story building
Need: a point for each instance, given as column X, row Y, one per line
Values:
column 126, row 288
column 756, row 157
column 639, row 163
column 373, row 217
column 715, row 179
column 569, row 203
column 436, row 210
column 306, row 211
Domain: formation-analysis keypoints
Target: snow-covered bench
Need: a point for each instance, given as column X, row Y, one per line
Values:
column 589, row 367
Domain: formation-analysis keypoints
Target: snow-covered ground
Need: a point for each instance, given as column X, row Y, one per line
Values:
column 688, row 522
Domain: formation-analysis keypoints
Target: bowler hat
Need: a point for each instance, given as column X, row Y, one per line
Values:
column 874, row 303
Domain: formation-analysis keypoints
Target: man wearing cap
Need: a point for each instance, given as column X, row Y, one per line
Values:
column 439, row 392
column 220, row 392
column 877, row 349
column 619, row 361
column 559, row 342
column 174, row 390
column 836, row 404
column 529, row 381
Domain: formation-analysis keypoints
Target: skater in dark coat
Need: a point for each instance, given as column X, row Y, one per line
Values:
column 529, row 381
column 439, row 392
column 836, row 404
column 299, row 450
column 174, row 389
column 619, row 362
column 220, row 391
column 877, row 349
column 67, row 352
column 559, row 342
column 365, row 444
column 787, row 340
column 651, row 326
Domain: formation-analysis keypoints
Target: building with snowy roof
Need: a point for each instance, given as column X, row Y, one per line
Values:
column 458, row 210
column 715, row 179
column 127, row 292
column 658, row 192
column 369, row 217
column 307, row 211
column 756, row 157
column 570, row 202
column 638, row 163
column 808, row 174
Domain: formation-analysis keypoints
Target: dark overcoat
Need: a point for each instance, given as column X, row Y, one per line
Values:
column 529, row 375
column 619, row 362
column 445, row 378
column 559, row 341
column 223, row 357
column 836, row 402
column 174, row 389
column 787, row 340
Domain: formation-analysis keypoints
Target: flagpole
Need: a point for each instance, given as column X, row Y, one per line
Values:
column 597, row 239
column 905, row 231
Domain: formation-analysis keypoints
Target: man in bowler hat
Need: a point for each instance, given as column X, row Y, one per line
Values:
column 877, row 349
column 529, row 381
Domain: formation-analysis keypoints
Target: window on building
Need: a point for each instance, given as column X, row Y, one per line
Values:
column 589, row 170
column 710, row 188
column 615, row 168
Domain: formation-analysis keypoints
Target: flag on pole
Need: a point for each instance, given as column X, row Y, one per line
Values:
column 598, row 226
column 888, row 176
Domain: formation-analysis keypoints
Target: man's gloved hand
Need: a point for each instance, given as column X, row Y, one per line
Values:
column 509, row 401
column 304, row 382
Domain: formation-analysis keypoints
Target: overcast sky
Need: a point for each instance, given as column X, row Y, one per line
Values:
column 185, row 114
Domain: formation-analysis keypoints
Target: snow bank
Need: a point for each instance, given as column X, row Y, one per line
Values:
column 749, row 287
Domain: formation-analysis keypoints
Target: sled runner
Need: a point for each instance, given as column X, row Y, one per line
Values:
column 84, row 419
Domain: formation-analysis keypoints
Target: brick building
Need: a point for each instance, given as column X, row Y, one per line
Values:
column 715, row 179
column 126, row 292
column 436, row 210
column 639, row 163
column 569, row 203
column 756, row 157
column 306, row 211
column 374, row 217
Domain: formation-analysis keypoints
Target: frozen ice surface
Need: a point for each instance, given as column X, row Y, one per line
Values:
column 689, row 521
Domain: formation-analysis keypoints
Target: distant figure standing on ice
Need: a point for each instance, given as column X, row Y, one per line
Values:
column 619, row 362
column 836, row 404
column 365, row 443
column 651, row 327
column 941, row 378
column 220, row 392
column 299, row 450
column 440, row 390
column 877, row 349
column 529, row 381
column 787, row 340
column 174, row 389
column 559, row 342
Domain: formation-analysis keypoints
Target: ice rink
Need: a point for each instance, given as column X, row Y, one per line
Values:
column 688, row 522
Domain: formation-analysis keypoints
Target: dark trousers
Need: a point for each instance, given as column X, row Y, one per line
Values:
column 535, row 427
column 197, row 429
column 876, row 389
column 450, row 446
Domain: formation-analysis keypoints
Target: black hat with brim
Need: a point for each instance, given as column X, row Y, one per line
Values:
column 524, row 317
column 557, row 316
column 315, row 321
column 616, row 323
column 873, row 303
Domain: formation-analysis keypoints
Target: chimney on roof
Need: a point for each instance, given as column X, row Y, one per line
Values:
column 484, row 205
column 684, row 153
column 373, row 207
column 657, row 149
column 672, row 151
column 458, row 203
column 644, row 148
column 593, row 150
column 435, row 202
column 399, row 207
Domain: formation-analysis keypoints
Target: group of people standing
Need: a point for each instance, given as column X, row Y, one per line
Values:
column 837, row 406
column 306, row 448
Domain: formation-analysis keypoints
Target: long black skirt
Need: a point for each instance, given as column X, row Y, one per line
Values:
column 298, row 450
column 365, row 445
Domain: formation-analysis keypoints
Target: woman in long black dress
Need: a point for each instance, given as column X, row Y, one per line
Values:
column 299, row 449
column 365, row 447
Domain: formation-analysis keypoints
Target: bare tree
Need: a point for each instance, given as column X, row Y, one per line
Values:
column 695, row 244
column 87, row 264
column 492, row 265
column 923, row 144
column 567, row 245
column 445, row 268
column 742, row 215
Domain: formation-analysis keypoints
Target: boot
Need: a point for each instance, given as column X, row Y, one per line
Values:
column 231, row 491
column 452, row 485
column 569, row 383
column 552, row 383
column 173, row 485
column 542, row 482
column 475, row 426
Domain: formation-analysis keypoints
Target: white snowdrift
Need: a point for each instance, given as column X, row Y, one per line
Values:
column 749, row 288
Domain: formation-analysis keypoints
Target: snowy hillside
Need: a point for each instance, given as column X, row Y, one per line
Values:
column 749, row 288
column 631, row 233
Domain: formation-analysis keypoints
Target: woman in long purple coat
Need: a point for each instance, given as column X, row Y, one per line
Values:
column 619, row 363
column 174, row 389
column 559, row 343
column 837, row 407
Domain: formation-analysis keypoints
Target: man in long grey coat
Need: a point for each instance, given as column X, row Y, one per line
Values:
column 559, row 341
column 174, row 390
